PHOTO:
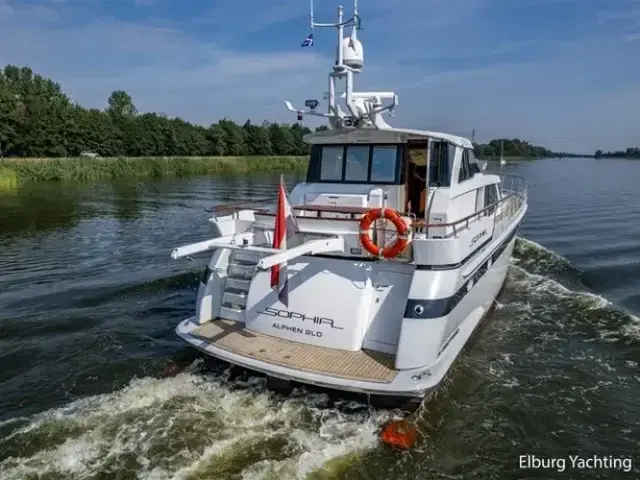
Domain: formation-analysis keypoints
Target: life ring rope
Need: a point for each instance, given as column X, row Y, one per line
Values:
column 402, row 232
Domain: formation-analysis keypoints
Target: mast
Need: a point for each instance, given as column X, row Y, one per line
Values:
column 363, row 109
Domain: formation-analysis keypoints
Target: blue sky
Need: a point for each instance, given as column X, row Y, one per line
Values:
column 560, row 73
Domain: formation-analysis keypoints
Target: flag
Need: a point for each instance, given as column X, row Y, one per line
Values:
column 308, row 42
column 285, row 229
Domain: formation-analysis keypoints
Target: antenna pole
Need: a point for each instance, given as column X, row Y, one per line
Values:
column 340, row 32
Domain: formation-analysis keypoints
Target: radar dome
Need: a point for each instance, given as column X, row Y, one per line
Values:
column 352, row 53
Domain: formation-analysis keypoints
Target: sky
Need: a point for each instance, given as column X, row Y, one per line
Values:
column 564, row 74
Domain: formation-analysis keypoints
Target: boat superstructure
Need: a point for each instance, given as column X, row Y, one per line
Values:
column 379, row 307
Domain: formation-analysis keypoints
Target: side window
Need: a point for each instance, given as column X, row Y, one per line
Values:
column 439, row 171
column 357, row 167
column 465, row 172
column 473, row 162
column 480, row 200
column 490, row 198
column 331, row 166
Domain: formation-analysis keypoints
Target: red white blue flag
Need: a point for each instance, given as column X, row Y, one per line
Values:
column 286, row 228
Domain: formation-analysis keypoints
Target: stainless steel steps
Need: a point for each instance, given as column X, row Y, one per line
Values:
column 241, row 269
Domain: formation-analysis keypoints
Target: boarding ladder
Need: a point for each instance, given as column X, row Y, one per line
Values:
column 240, row 272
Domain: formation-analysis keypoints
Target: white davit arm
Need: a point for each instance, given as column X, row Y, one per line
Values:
column 312, row 247
column 220, row 242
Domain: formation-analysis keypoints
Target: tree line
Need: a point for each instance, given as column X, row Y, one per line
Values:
column 37, row 119
column 511, row 148
column 632, row 152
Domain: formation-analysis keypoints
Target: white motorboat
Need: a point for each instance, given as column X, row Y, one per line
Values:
column 313, row 289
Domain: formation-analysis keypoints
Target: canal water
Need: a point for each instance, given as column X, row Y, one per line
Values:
column 89, row 299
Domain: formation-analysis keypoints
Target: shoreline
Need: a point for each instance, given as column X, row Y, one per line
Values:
column 17, row 170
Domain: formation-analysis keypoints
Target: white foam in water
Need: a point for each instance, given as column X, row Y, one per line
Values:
column 189, row 425
column 600, row 302
column 538, row 285
column 548, row 285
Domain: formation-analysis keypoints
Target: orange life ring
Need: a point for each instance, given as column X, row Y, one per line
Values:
column 401, row 232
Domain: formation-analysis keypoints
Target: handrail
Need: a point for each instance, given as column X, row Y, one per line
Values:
column 421, row 224
column 234, row 207
column 518, row 189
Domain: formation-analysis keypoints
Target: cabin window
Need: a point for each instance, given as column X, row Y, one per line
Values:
column 465, row 168
column 490, row 198
column 383, row 164
column 480, row 194
column 357, row 165
column 378, row 163
column 331, row 166
column 473, row 162
column 439, row 165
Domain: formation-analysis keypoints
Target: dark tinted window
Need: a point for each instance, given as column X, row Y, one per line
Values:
column 473, row 162
column 355, row 164
column 465, row 169
column 439, row 165
column 357, row 168
column 383, row 164
column 490, row 198
column 331, row 163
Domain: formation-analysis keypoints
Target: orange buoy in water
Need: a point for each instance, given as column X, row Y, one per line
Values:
column 400, row 434
column 171, row 370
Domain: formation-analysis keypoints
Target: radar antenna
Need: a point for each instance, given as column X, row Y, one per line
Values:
column 364, row 108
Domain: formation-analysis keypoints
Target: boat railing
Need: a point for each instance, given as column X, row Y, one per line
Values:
column 230, row 208
column 514, row 194
column 514, row 184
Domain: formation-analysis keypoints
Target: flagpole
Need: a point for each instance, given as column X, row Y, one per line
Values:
column 293, row 213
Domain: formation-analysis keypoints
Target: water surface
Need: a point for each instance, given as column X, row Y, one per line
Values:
column 89, row 298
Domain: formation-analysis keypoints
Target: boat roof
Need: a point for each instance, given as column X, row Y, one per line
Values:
column 382, row 135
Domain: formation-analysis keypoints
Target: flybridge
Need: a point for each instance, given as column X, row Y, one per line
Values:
column 364, row 109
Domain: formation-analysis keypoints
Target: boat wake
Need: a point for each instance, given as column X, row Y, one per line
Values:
column 193, row 425
column 199, row 424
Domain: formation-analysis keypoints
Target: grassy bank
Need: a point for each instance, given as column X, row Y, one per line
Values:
column 13, row 171
column 8, row 180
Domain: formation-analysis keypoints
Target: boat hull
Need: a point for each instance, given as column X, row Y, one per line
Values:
column 407, row 385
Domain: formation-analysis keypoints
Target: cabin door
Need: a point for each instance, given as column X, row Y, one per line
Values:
column 416, row 183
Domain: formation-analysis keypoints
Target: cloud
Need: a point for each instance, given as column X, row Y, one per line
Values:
column 561, row 73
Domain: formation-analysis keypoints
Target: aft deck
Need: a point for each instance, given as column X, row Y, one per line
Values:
column 363, row 365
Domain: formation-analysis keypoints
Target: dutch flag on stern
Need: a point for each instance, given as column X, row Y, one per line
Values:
column 286, row 228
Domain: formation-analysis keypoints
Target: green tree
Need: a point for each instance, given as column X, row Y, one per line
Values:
column 38, row 119
column 121, row 104
column 217, row 138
